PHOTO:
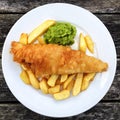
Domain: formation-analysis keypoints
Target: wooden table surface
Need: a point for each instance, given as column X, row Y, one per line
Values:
column 108, row 11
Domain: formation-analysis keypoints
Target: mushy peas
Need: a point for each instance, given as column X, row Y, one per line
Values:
column 60, row 33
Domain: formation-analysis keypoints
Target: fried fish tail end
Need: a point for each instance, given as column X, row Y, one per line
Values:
column 50, row 59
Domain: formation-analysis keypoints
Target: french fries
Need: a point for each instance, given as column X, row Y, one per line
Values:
column 90, row 44
column 23, row 38
column 83, row 45
column 41, row 40
column 54, row 89
column 38, row 31
column 66, row 83
column 43, row 86
column 63, row 78
column 24, row 77
column 52, row 80
column 62, row 95
column 70, row 85
column 77, row 84
column 86, row 80
column 33, row 80
column 59, row 86
column 85, row 42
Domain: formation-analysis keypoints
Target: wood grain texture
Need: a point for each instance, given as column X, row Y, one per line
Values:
column 6, row 22
column 102, row 111
column 95, row 6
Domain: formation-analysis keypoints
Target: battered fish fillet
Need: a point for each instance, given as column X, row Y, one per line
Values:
column 50, row 59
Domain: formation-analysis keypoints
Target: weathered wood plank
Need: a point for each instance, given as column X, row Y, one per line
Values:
column 113, row 24
column 1, row 46
column 5, row 93
column 114, row 91
column 6, row 22
column 102, row 111
column 95, row 6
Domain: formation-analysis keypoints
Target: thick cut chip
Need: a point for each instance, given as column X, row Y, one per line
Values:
column 62, row 95
column 83, row 45
column 43, row 86
column 70, row 86
column 54, row 89
column 41, row 40
column 33, row 80
column 77, row 84
column 90, row 44
column 24, row 38
column 52, row 80
column 66, row 83
column 24, row 77
column 86, row 80
column 38, row 31
column 63, row 78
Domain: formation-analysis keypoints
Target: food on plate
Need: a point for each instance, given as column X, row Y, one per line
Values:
column 24, row 38
column 62, row 95
column 77, row 85
column 52, row 80
column 40, row 30
column 54, row 89
column 49, row 63
column 60, row 33
column 90, row 43
column 44, row 86
column 33, row 80
column 50, row 59
column 41, row 40
column 86, row 42
column 70, row 85
column 86, row 80
column 83, row 45
column 24, row 77
column 63, row 78
column 67, row 82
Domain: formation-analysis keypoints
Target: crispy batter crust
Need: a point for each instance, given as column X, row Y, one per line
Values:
column 50, row 59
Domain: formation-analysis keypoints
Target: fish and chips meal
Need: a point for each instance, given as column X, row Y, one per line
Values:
column 50, row 64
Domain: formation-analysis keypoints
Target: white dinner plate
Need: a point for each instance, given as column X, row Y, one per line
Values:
column 85, row 22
